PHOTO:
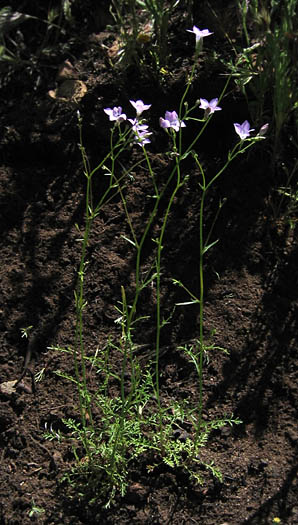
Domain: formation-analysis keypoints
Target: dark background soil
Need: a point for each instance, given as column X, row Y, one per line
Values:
column 251, row 288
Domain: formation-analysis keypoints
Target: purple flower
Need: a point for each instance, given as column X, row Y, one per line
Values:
column 243, row 129
column 142, row 138
column 139, row 106
column 141, row 132
column 209, row 107
column 136, row 125
column 171, row 121
column 199, row 33
column 115, row 114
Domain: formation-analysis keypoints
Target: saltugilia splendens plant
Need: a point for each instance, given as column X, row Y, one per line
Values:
column 139, row 106
column 243, row 130
column 140, row 130
column 137, row 421
column 171, row 120
column 209, row 107
column 115, row 114
column 199, row 33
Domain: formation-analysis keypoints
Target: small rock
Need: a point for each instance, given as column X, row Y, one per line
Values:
column 8, row 388
column 66, row 71
column 70, row 91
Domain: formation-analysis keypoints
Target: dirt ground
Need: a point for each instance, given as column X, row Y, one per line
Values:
column 251, row 294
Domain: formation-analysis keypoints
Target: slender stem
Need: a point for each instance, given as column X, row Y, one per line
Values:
column 244, row 8
column 84, row 400
column 202, row 248
column 158, row 275
column 201, row 300
column 157, row 198
column 238, row 149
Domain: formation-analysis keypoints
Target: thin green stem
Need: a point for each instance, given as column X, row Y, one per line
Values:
column 202, row 248
column 201, row 300
column 238, row 149
column 160, row 239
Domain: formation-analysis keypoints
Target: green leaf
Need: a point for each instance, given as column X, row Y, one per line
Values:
column 128, row 240
column 206, row 248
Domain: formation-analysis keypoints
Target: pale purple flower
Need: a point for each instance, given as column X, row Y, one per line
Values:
column 243, row 129
column 141, row 132
column 209, row 107
column 115, row 114
column 136, row 125
column 171, row 120
column 139, row 106
column 141, row 138
column 199, row 33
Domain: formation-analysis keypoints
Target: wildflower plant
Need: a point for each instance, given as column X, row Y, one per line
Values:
column 139, row 106
column 137, row 422
column 115, row 114
column 209, row 107
column 199, row 34
column 172, row 121
column 243, row 130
